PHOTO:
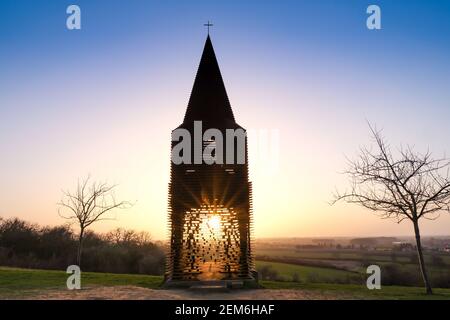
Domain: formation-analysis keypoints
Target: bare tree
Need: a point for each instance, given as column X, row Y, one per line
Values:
column 91, row 202
column 405, row 186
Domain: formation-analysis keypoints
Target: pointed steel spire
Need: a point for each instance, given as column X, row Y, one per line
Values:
column 209, row 101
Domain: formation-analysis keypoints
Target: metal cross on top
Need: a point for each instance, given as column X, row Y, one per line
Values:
column 208, row 25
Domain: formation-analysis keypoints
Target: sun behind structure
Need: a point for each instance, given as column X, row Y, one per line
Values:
column 210, row 204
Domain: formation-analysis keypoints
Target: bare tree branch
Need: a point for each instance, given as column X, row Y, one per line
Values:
column 90, row 203
column 409, row 185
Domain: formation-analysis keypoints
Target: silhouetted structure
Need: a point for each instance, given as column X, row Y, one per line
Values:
column 210, row 204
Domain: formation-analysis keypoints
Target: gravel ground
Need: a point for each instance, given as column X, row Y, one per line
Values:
column 138, row 293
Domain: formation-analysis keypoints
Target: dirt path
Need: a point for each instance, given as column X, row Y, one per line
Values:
column 137, row 293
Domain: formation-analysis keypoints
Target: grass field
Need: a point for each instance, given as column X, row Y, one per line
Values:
column 349, row 291
column 19, row 283
column 399, row 257
column 309, row 274
column 376, row 256
column 16, row 282
column 398, row 267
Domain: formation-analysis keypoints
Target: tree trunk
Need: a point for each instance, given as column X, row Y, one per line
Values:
column 80, row 247
column 421, row 258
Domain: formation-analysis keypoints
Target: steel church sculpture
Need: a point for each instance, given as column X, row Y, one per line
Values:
column 210, row 205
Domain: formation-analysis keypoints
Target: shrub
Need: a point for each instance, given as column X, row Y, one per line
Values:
column 267, row 272
column 437, row 261
column 394, row 274
column 295, row 277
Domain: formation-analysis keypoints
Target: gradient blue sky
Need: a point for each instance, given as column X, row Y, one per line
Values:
column 103, row 100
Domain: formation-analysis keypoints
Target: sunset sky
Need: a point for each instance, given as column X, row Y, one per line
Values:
column 103, row 101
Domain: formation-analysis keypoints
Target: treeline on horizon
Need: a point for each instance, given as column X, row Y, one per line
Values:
column 27, row 245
